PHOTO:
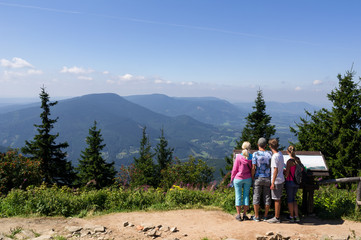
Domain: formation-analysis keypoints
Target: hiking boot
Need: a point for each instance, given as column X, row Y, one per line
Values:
column 238, row 217
column 245, row 217
column 290, row 219
column 265, row 218
column 274, row 220
column 297, row 219
column 256, row 219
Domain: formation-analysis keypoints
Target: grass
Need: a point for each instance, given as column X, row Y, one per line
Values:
column 330, row 202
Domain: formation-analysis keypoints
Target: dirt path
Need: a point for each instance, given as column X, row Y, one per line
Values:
column 191, row 225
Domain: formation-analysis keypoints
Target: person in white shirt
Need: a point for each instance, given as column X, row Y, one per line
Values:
column 277, row 178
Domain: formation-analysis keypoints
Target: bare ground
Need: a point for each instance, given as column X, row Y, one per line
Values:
column 191, row 225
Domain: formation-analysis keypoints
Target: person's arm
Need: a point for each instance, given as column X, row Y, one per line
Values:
column 275, row 172
column 288, row 168
column 253, row 170
column 234, row 169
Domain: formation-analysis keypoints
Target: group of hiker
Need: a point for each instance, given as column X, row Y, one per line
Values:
column 268, row 174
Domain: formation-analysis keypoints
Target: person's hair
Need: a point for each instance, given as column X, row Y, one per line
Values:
column 246, row 146
column 262, row 142
column 273, row 143
column 292, row 150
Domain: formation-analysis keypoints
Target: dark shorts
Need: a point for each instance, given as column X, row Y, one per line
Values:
column 291, row 190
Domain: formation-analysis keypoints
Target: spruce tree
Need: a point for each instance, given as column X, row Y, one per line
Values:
column 92, row 166
column 144, row 165
column 54, row 166
column 164, row 156
column 336, row 132
column 258, row 124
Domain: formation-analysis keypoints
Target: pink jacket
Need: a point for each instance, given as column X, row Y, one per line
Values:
column 241, row 168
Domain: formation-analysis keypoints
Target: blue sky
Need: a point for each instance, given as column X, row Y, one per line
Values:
column 291, row 50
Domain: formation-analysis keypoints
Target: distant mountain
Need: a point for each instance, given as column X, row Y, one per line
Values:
column 209, row 110
column 222, row 113
column 121, row 123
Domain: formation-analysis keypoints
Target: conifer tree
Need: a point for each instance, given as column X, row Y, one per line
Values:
column 258, row 124
column 54, row 166
column 164, row 156
column 92, row 166
column 336, row 132
column 144, row 165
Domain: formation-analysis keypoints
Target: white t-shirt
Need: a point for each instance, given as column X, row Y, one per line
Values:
column 277, row 162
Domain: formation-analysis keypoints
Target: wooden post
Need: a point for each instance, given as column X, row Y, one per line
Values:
column 358, row 195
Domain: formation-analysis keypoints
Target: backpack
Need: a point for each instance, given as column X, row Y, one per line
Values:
column 300, row 174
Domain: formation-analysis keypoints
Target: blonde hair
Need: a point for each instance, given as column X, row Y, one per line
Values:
column 292, row 150
column 246, row 146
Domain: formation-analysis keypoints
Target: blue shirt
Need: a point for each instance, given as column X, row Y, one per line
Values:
column 262, row 160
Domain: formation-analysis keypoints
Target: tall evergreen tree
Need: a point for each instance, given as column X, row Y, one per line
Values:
column 92, row 166
column 164, row 156
column 336, row 132
column 164, row 153
column 144, row 165
column 54, row 166
column 258, row 124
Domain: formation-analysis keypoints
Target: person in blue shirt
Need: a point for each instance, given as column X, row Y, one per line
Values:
column 261, row 173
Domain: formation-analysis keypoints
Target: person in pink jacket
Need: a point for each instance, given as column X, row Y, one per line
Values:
column 241, row 178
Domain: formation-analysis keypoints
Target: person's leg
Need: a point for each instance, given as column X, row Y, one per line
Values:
column 276, row 196
column 256, row 198
column 290, row 197
column 291, row 209
column 277, row 208
column 295, row 206
column 237, row 190
column 295, row 209
column 267, row 197
column 246, row 188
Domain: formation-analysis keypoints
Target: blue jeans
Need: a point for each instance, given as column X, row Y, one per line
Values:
column 291, row 190
column 242, row 186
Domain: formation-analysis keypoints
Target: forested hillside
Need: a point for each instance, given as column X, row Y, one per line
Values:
column 121, row 123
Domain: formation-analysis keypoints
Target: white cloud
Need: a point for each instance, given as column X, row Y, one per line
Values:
column 129, row 77
column 106, row 72
column 29, row 72
column 298, row 88
column 34, row 72
column 76, row 70
column 160, row 81
column 15, row 63
column 126, row 77
column 187, row 83
column 85, row 78
column 317, row 82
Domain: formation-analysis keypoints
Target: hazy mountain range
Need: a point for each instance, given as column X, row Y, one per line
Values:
column 202, row 127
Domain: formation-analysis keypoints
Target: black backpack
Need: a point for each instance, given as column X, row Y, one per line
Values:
column 300, row 174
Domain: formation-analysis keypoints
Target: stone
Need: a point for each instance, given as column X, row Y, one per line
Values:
column 125, row 224
column 270, row 233
column 25, row 234
column 73, row 229
column 99, row 229
column 152, row 232
column 173, row 229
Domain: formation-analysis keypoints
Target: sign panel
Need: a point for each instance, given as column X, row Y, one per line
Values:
column 314, row 161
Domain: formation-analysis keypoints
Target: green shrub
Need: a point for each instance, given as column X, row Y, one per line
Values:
column 178, row 196
column 330, row 202
column 17, row 171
